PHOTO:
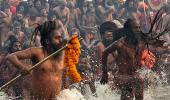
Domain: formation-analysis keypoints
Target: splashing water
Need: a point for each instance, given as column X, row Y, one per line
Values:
column 104, row 92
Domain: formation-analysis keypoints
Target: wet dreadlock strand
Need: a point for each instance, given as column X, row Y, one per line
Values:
column 44, row 30
column 35, row 33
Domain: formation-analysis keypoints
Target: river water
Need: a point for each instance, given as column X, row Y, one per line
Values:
column 160, row 91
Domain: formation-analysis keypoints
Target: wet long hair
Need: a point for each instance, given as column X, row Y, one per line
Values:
column 45, row 30
column 130, row 37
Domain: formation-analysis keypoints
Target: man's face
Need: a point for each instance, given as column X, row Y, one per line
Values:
column 56, row 39
column 136, row 28
column 44, row 12
column 99, row 1
column 38, row 4
column 63, row 4
column 17, row 29
column 71, row 5
column 108, row 35
column 91, row 7
column 131, row 4
column 21, row 8
column 110, row 2
column 19, row 16
column 30, row 3
column 52, row 18
column 90, row 35
column 16, row 47
column 85, row 7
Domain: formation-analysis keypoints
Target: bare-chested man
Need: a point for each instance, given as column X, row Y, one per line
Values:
column 89, row 18
column 5, row 19
column 104, row 13
column 62, row 12
column 17, row 32
column 129, row 50
column 75, row 15
column 47, row 78
column 34, row 19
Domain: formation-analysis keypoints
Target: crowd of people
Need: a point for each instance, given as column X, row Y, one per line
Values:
column 114, row 36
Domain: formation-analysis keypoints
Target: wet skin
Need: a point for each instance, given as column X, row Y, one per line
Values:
column 47, row 77
column 127, row 78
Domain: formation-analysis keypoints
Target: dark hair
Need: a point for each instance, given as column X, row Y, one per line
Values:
column 129, row 33
column 33, row 13
column 108, row 27
column 45, row 31
column 17, row 24
column 12, row 40
column 51, row 14
column 25, row 5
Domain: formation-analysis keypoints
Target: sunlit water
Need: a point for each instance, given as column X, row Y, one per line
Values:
column 158, row 92
column 104, row 93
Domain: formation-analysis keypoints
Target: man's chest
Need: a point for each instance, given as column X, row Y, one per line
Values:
column 51, row 66
column 131, row 52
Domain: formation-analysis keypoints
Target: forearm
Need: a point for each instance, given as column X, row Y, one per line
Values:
column 66, row 35
column 3, row 14
column 110, row 10
column 15, row 61
column 104, row 62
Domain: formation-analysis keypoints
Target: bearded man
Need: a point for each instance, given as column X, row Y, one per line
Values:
column 127, row 57
column 47, row 78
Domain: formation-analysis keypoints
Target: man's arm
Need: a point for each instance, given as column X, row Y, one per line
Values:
column 105, row 54
column 114, row 46
column 3, row 14
column 68, row 18
column 15, row 58
column 107, row 11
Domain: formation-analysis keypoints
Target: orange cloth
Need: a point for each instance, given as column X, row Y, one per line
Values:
column 147, row 59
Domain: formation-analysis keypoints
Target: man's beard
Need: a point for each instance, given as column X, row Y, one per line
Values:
column 107, row 42
column 54, row 48
column 15, row 50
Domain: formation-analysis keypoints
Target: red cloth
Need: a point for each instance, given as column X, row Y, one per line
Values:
column 13, row 10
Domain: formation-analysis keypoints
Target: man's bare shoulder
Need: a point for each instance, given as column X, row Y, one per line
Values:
column 67, row 9
column 119, row 42
column 36, row 50
column 56, row 8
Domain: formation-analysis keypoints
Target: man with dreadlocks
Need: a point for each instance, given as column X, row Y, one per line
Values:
column 47, row 78
column 129, row 51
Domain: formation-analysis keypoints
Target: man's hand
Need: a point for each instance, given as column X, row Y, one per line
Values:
column 104, row 79
column 25, row 71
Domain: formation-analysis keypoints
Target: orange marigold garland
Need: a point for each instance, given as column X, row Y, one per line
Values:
column 72, row 53
column 147, row 59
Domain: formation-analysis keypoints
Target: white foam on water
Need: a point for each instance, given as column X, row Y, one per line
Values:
column 70, row 94
column 3, row 96
column 104, row 92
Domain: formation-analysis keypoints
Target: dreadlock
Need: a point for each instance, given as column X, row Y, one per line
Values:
column 128, row 26
column 45, row 31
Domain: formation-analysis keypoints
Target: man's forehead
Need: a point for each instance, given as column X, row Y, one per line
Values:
column 57, row 32
column 108, row 32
